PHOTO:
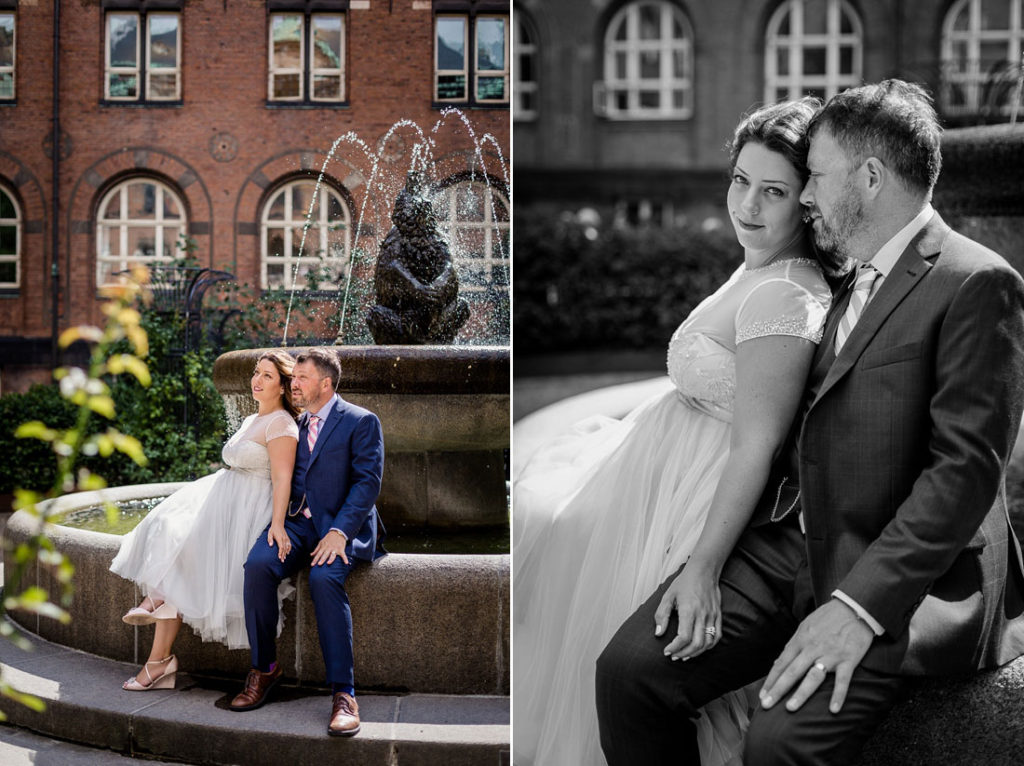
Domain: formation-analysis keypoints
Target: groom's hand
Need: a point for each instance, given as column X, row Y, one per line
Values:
column 329, row 548
column 831, row 639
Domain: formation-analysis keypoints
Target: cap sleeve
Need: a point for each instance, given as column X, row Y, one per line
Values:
column 783, row 307
column 282, row 424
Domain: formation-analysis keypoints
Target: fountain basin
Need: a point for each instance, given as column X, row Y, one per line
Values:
column 444, row 411
column 422, row 623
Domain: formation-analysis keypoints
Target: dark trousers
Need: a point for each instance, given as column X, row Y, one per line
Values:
column 264, row 572
column 647, row 704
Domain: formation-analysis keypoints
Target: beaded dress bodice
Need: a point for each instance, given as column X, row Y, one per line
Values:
column 787, row 297
column 246, row 450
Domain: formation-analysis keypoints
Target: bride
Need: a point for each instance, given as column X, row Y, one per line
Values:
column 187, row 554
column 605, row 513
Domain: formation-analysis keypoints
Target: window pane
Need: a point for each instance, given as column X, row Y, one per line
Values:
column 9, row 271
column 650, row 65
column 526, row 68
column 275, row 275
column 287, row 37
column 678, row 99
column 276, row 210
column 141, row 200
column 963, row 19
column 302, row 195
column 123, row 86
column 782, row 62
column 650, row 99
column 816, row 17
column 451, row 86
column 620, row 31
column 6, row 85
column 141, row 241
column 286, row 86
column 995, row 14
column 8, row 240
column 170, row 242
column 845, row 23
column 992, row 55
column 451, row 49
column 6, row 39
column 111, row 240
column 171, row 210
column 275, row 243
column 6, row 206
column 327, row 42
column 123, row 32
column 163, row 42
column 490, row 88
column 784, row 24
column 163, row 86
column 814, row 61
column 327, row 86
column 845, row 60
column 490, row 44
column 620, row 65
column 679, row 64
column 650, row 22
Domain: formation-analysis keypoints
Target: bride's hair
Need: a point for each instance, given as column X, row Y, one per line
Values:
column 783, row 128
column 284, row 364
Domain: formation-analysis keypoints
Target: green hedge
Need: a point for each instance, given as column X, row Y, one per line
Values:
column 619, row 289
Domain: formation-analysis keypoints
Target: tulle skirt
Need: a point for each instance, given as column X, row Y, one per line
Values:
column 190, row 551
column 602, row 516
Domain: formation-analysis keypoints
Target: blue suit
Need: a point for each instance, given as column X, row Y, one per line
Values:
column 338, row 483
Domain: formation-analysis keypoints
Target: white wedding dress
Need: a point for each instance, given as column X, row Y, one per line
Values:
column 191, row 548
column 604, row 514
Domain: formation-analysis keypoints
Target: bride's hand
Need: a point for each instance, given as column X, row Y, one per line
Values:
column 697, row 600
column 279, row 536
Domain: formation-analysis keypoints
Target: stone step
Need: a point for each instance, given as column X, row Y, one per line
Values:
column 85, row 705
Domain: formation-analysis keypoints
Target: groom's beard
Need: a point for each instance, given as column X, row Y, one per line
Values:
column 834, row 236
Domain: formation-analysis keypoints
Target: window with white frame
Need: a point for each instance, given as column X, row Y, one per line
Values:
column 143, row 56
column 140, row 220
column 10, row 240
column 471, row 58
column 473, row 215
column 524, row 81
column 982, row 50
column 306, row 56
column 7, row 57
column 292, row 255
column 648, row 64
column 812, row 47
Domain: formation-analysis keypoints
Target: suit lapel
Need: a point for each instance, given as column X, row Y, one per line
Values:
column 912, row 265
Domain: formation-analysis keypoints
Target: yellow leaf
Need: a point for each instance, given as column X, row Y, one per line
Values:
column 82, row 332
column 35, row 429
column 102, row 405
column 139, row 340
column 119, row 363
column 130, row 446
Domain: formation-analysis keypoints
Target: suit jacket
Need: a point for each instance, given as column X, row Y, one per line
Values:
column 341, row 478
column 902, row 454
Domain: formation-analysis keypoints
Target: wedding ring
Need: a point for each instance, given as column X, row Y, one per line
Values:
column 819, row 665
column 710, row 630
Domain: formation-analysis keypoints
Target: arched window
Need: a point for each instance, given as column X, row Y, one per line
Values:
column 812, row 47
column 981, row 56
column 139, row 221
column 524, row 45
column 648, row 64
column 322, row 260
column 474, row 217
column 10, row 241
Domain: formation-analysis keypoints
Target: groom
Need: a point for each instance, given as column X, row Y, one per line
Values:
column 899, row 557
column 331, row 523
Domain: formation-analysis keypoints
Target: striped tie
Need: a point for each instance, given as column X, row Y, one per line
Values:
column 858, row 300
column 314, row 429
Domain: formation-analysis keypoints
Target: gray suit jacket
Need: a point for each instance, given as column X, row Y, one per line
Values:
column 902, row 456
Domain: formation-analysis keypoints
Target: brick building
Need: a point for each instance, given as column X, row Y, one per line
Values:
column 625, row 105
column 205, row 123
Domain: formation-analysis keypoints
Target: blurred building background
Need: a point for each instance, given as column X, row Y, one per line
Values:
column 621, row 114
column 141, row 131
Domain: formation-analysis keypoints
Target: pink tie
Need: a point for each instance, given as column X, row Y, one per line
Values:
column 314, row 429
column 858, row 300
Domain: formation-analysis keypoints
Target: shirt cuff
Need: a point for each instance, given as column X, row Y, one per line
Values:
column 872, row 623
column 335, row 529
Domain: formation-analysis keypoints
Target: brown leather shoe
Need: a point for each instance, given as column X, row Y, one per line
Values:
column 344, row 716
column 257, row 687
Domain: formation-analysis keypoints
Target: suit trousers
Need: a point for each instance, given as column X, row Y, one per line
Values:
column 264, row 572
column 647, row 704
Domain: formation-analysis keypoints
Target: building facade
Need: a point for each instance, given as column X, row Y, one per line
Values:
column 625, row 105
column 139, row 131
